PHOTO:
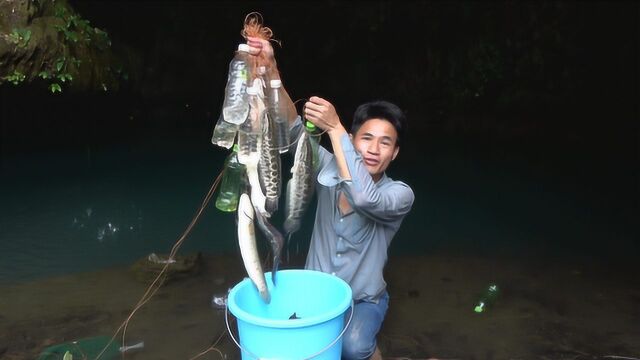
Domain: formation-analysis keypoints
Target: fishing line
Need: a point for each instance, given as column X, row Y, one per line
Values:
column 303, row 121
column 150, row 292
column 212, row 347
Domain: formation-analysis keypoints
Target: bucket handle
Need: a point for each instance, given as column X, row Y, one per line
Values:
column 226, row 320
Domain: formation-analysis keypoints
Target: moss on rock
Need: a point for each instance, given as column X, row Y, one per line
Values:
column 48, row 41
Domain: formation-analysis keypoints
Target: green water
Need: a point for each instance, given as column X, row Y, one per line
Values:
column 64, row 212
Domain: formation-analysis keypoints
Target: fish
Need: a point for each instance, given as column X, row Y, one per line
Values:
column 248, row 248
column 269, row 165
column 275, row 238
column 300, row 187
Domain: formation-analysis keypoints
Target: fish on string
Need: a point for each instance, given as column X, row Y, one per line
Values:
column 300, row 187
column 248, row 247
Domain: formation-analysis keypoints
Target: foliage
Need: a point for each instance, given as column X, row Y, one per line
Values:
column 20, row 37
column 15, row 78
column 76, row 29
column 60, row 64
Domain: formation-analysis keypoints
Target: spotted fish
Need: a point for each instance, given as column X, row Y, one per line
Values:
column 300, row 186
column 269, row 165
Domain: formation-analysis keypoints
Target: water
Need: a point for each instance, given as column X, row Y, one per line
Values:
column 125, row 202
column 556, row 231
column 61, row 214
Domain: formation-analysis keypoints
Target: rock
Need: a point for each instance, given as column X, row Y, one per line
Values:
column 147, row 269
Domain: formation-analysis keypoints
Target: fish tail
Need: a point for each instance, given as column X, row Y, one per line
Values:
column 274, row 270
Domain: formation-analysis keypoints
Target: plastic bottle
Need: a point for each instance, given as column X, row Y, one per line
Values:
column 315, row 142
column 236, row 106
column 278, row 112
column 231, row 179
column 250, row 131
column 224, row 133
column 487, row 298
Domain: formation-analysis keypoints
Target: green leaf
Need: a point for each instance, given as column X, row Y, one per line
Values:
column 55, row 87
column 60, row 63
column 67, row 356
column 26, row 37
column 44, row 74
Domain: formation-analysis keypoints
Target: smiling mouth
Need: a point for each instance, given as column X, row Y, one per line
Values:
column 371, row 162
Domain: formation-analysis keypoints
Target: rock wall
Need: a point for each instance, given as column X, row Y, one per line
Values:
column 47, row 42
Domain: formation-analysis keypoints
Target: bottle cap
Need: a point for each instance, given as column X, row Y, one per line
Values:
column 275, row 83
column 262, row 70
column 243, row 47
column 310, row 126
column 252, row 90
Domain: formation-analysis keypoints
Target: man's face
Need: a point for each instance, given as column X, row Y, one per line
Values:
column 376, row 143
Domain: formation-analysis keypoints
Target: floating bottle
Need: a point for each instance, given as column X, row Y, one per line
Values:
column 236, row 105
column 224, row 133
column 487, row 298
column 278, row 112
column 232, row 177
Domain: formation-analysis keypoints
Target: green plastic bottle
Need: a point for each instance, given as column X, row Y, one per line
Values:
column 314, row 137
column 231, row 179
column 487, row 298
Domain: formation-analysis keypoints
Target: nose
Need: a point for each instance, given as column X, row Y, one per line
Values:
column 374, row 148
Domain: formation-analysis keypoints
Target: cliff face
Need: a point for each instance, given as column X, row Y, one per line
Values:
column 48, row 42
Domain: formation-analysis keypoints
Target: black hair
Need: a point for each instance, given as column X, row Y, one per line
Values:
column 380, row 110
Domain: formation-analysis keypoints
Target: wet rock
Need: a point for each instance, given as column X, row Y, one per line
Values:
column 148, row 268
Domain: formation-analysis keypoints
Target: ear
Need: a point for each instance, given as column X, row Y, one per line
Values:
column 395, row 153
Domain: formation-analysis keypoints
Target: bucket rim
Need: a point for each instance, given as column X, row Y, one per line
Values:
column 243, row 315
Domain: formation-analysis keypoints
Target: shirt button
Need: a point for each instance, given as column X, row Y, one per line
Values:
column 341, row 220
column 333, row 273
column 339, row 255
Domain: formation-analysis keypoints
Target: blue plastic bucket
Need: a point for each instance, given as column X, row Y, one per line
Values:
column 266, row 331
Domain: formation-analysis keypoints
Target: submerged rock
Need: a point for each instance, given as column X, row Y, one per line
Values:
column 147, row 269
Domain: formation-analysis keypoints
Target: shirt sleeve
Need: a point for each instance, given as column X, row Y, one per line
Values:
column 385, row 206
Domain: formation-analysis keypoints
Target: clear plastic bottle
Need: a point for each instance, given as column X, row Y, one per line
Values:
column 231, row 179
column 236, row 106
column 250, row 132
column 278, row 112
column 487, row 298
column 224, row 133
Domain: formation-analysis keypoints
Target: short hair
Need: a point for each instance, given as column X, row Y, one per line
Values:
column 380, row 110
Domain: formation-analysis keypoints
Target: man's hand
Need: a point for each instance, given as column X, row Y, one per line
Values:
column 323, row 115
column 262, row 49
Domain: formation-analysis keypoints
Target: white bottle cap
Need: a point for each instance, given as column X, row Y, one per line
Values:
column 243, row 47
column 276, row 83
column 252, row 90
column 262, row 70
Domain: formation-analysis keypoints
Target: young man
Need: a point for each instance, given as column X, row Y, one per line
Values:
column 359, row 208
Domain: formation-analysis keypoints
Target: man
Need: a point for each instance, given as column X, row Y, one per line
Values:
column 359, row 208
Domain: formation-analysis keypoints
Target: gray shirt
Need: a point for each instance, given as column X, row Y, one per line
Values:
column 354, row 246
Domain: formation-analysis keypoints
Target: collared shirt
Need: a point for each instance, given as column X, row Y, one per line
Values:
column 354, row 246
